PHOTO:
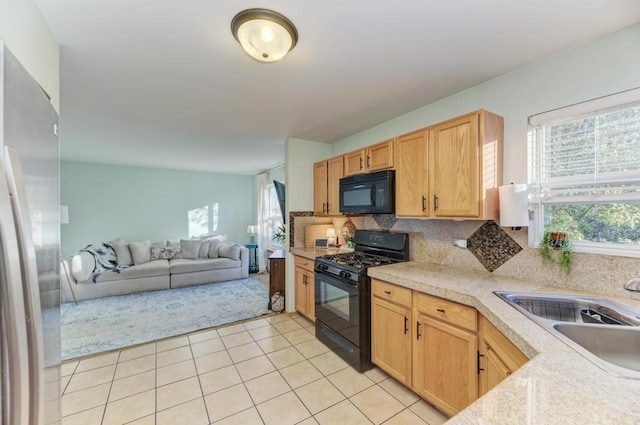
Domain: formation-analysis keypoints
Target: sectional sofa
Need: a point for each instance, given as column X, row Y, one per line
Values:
column 117, row 267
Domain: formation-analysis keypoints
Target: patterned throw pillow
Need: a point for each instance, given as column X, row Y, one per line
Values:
column 173, row 249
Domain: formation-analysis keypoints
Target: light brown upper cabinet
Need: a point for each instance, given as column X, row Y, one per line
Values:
column 465, row 166
column 452, row 169
column 412, row 196
column 371, row 158
column 326, row 186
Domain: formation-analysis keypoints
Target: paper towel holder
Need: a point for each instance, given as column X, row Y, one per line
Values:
column 514, row 207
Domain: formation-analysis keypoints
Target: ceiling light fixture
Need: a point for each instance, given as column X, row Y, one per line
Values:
column 265, row 35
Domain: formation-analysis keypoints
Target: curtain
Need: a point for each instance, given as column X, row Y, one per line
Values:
column 263, row 233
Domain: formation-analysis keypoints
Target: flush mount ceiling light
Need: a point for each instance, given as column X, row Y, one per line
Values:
column 265, row 35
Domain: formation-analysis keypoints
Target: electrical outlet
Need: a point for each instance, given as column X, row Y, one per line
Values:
column 460, row 243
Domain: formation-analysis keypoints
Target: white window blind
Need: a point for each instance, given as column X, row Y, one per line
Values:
column 584, row 174
column 593, row 157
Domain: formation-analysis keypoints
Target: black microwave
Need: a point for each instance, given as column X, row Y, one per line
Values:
column 372, row 193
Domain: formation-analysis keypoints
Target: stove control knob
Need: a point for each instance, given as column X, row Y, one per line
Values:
column 345, row 274
column 322, row 267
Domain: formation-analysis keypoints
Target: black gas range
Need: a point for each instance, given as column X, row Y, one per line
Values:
column 343, row 293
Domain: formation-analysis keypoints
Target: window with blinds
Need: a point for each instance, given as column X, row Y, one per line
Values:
column 584, row 173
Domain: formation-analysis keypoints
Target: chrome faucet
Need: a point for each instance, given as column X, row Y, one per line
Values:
column 633, row 285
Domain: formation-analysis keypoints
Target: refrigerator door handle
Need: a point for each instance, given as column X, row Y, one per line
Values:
column 15, row 348
column 30, row 283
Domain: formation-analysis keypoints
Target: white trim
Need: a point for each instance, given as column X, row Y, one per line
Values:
column 607, row 249
column 587, row 107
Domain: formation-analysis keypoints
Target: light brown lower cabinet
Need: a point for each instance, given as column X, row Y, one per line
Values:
column 390, row 323
column 445, row 352
column 304, row 292
column 499, row 358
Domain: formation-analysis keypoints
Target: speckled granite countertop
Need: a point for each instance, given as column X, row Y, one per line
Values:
column 312, row 253
column 556, row 386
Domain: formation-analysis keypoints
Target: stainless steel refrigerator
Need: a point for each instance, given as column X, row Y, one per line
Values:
column 29, row 249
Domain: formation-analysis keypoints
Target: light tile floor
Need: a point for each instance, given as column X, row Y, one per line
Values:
column 266, row 371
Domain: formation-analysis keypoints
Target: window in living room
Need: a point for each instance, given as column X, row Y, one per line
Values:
column 272, row 213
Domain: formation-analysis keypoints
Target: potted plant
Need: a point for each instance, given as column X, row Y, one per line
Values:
column 557, row 241
column 281, row 235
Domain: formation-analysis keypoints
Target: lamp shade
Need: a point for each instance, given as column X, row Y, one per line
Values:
column 514, row 205
column 252, row 229
column 265, row 35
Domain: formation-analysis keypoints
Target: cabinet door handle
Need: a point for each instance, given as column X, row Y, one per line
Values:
column 387, row 292
column 479, row 368
column 424, row 203
column 406, row 325
column 327, row 208
column 368, row 161
column 418, row 330
column 304, row 279
column 435, row 202
column 361, row 163
column 324, row 207
column 440, row 310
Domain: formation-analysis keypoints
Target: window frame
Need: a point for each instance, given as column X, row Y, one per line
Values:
column 593, row 107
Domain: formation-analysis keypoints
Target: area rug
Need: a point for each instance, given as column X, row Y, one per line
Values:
column 104, row 324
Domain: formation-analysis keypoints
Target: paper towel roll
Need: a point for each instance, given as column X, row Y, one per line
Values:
column 514, row 205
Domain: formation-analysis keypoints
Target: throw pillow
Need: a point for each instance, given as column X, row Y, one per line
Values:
column 123, row 254
column 140, row 252
column 157, row 250
column 231, row 251
column 214, row 246
column 190, row 248
column 204, row 249
column 173, row 249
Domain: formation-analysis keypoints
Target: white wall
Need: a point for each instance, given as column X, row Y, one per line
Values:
column 299, row 157
column 27, row 35
column 605, row 66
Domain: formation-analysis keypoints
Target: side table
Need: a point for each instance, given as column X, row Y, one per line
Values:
column 253, row 257
column 276, row 274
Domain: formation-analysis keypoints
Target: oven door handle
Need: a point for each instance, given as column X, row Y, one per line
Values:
column 333, row 281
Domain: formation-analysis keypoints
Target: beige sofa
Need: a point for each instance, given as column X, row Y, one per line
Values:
column 118, row 268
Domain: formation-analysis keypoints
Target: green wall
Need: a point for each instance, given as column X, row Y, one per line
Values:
column 107, row 201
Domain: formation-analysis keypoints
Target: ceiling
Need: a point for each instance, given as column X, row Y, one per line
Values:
column 163, row 83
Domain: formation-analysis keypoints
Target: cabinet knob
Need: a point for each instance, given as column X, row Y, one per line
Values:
column 441, row 310
column 387, row 292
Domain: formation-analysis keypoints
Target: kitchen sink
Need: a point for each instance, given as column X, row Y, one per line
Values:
column 603, row 331
column 619, row 346
column 569, row 308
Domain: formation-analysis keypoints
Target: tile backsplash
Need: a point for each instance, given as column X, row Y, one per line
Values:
column 496, row 248
column 491, row 249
